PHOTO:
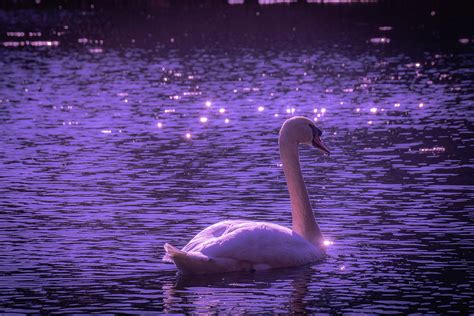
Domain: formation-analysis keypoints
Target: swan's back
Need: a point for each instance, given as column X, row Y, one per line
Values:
column 244, row 245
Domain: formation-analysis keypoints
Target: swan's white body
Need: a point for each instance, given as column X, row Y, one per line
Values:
column 237, row 245
column 243, row 246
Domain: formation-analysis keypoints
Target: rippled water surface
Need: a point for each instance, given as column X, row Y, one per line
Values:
column 117, row 137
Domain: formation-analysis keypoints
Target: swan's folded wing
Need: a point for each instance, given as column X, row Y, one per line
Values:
column 210, row 234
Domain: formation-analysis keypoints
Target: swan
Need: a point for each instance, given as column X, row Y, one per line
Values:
column 238, row 245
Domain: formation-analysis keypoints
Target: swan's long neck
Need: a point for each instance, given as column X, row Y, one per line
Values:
column 303, row 219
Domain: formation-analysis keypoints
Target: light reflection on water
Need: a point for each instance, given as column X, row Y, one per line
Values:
column 108, row 156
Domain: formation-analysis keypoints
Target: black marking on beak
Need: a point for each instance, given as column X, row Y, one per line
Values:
column 316, row 141
column 316, row 131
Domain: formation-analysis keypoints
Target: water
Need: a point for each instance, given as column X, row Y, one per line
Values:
column 98, row 171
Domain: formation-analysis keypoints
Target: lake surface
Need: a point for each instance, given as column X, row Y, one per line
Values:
column 123, row 130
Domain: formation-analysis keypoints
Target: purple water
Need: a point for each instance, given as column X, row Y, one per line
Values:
column 97, row 171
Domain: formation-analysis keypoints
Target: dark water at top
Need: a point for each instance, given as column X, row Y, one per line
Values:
column 97, row 172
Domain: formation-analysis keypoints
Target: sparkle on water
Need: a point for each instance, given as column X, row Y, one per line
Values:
column 328, row 242
column 105, row 157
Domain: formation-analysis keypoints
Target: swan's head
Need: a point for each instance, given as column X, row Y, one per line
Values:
column 301, row 130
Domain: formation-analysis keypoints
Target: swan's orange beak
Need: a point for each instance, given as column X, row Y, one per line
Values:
column 318, row 143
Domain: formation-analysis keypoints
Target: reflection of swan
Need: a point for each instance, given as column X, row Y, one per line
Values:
column 246, row 245
column 239, row 292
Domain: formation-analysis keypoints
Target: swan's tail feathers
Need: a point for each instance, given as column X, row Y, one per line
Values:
column 169, row 249
column 194, row 262
column 172, row 251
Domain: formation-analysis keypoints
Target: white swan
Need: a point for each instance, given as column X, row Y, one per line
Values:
column 237, row 245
